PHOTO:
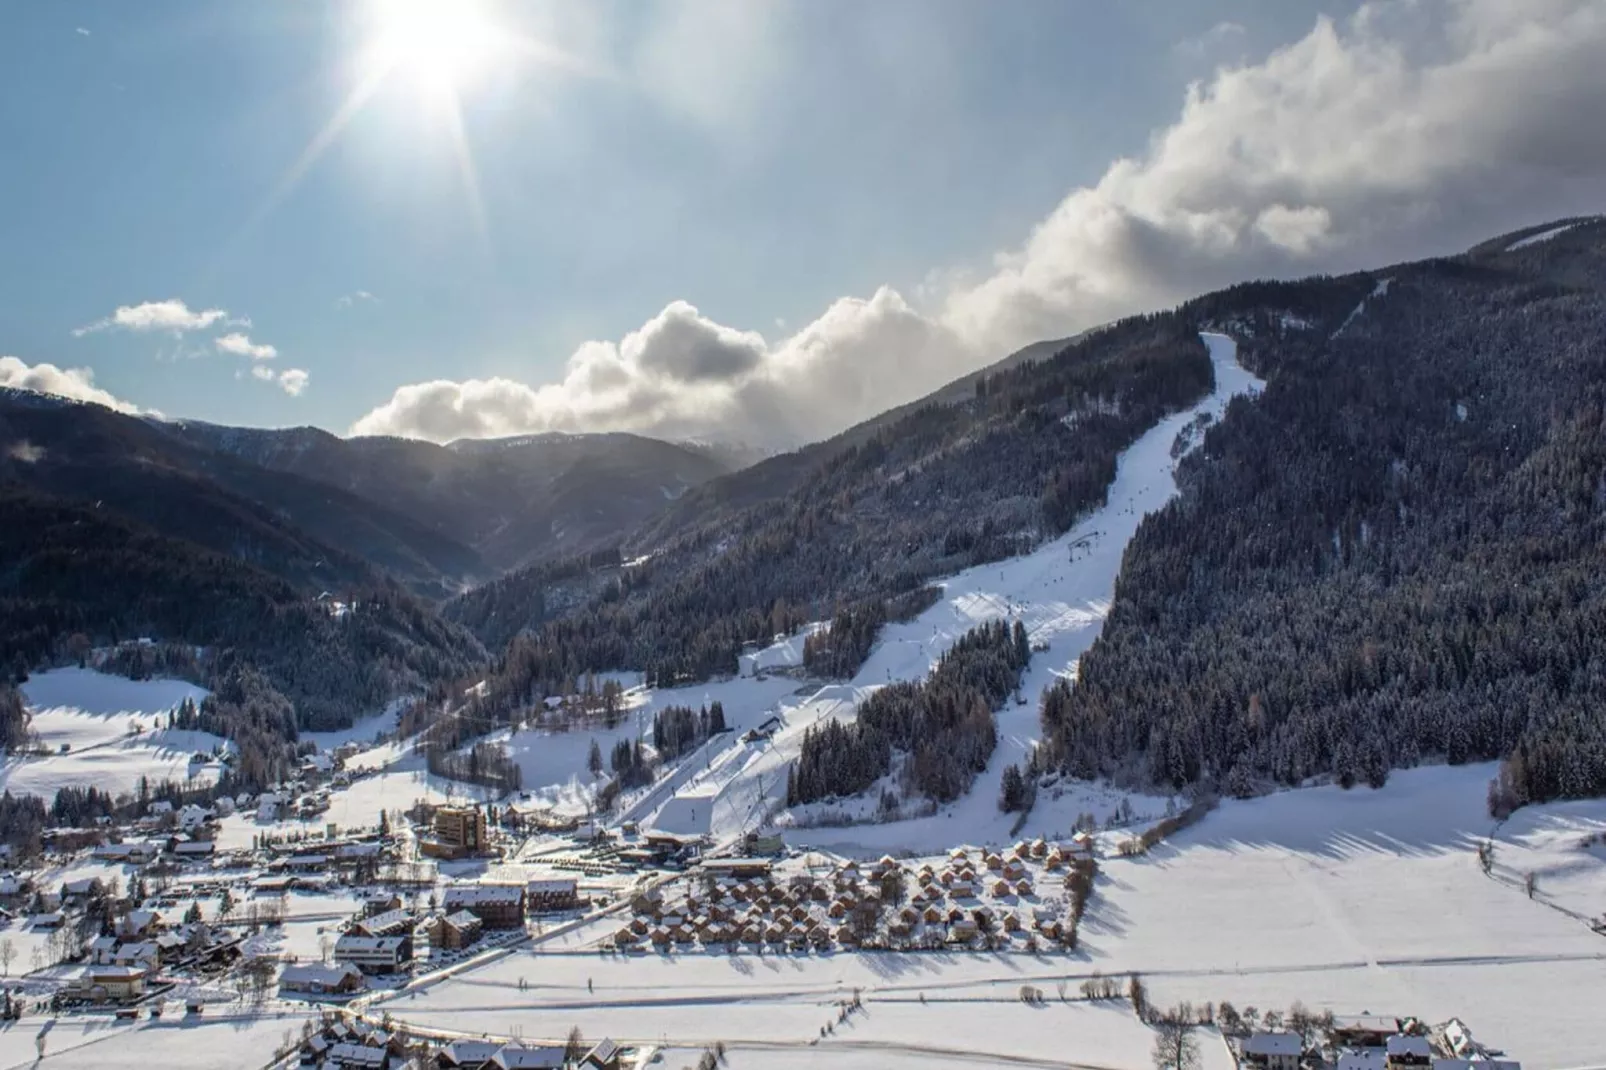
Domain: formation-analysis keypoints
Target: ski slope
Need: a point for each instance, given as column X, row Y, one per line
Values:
column 1061, row 592
column 108, row 725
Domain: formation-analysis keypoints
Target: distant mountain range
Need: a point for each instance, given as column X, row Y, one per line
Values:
column 510, row 501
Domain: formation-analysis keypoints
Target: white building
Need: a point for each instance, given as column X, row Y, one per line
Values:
column 374, row 954
column 1273, row 1051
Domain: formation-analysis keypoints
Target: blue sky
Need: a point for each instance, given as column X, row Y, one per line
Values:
column 759, row 161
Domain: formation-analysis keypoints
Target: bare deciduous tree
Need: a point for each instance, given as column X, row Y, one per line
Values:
column 1175, row 1047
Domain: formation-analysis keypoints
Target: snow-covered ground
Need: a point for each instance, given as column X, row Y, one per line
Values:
column 95, row 1042
column 108, row 725
column 1354, row 901
column 1542, row 236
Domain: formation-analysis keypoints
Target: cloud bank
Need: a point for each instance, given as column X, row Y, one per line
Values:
column 75, row 383
column 1411, row 129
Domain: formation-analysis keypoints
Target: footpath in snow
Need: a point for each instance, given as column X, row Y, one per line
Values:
column 1061, row 592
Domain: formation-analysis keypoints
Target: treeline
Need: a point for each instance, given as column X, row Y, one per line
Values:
column 1391, row 557
column 678, row 729
column 942, row 488
column 485, row 764
column 942, row 727
column 841, row 647
column 632, row 766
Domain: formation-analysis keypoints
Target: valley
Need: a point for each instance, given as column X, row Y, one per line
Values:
column 401, row 828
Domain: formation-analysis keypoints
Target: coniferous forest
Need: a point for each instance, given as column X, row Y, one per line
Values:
column 1392, row 557
column 940, row 728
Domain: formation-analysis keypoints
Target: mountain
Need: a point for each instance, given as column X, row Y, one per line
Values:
column 305, row 531
column 1391, row 557
column 855, row 525
column 770, row 478
column 512, row 500
column 81, row 568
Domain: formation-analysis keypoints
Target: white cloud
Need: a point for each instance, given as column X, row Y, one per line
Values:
column 1417, row 127
column 75, row 383
column 82, row 32
column 242, row 346
column 169, row 315
column 292, row 380
column 355, row 297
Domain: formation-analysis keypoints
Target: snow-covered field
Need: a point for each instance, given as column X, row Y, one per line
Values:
column 1356, row 901
column 198, row 1043
column 107, row 724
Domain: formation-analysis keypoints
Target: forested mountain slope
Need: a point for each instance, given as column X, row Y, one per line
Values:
column 713, row 503
column 941, row 488
column 1395, row 554
column 77, row 570
column 513, row 500
column 312, row 535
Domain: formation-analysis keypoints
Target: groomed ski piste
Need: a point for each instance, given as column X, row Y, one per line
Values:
column 1061, row 592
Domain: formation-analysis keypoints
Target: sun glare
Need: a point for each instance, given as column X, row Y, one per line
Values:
column 440, row 45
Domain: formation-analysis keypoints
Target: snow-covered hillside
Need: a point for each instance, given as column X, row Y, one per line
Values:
column 1061, row 592
column 101, row 731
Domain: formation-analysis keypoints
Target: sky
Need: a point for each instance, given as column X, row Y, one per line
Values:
column 748, row 221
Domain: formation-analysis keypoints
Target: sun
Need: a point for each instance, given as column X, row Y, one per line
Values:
column 439, row 45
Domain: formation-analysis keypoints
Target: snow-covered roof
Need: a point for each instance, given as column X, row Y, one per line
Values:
column 357, row 1055
column 1400, row 1044
column 348, row 942
column 318, row 973
column 391, row 919
column 1361, row 1059
column 465, row 894
column 518, row 1057
column 471, row 1052
column 605, row 1050
column 1273, row 1044
column 463, row 919
column 551, row 887
column 113, row 973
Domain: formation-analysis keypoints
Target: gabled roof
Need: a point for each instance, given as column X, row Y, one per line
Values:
column 318, row 973
column 357, row 1055
column 1400, row 1044
column 470, row 1052
column 1273, row 1044
column 518, row 1057
column 603, row 1051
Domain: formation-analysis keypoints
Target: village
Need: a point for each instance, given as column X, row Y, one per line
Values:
column 168, row 915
